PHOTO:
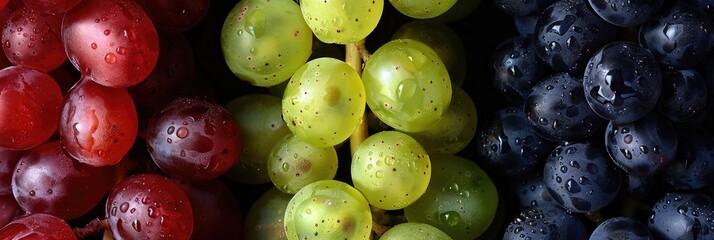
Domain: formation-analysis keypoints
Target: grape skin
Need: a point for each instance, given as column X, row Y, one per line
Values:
column 294, row 164
column 342, row 21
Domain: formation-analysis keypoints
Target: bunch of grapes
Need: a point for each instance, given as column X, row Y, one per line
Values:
column 356, row 119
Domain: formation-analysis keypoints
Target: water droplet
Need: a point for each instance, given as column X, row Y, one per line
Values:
column 182, row 132
column 286, row 167
column 153, row 212
column 113, row 212
column 32, row 193
column 170, row 130
column 255, row 23
column 124, row 207
column 110, row 58
column 379, row 174
column 406, row 89
column 572, row 186
column 107, row 32
column 94, row 46
column 121, row 50
column 136, row 225
column 627, row 139
column 369, row 166
column 450, row 218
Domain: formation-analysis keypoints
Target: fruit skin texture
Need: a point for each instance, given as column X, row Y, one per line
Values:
column 353, row 19
column 38, row 226
column 149, row 206
column 682, row 215
column 30, row 103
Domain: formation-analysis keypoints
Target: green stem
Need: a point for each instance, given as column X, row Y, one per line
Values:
column 355, row 53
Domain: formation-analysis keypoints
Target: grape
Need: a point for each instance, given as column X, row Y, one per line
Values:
column 391, row 169
column 39, row 46
column 414, row 231
column 581, row 177
column 643, row 147
column 459, row 11
column 678, row 36
column 265, row 217
column 546, row 223
column 8, row 161
column 694, row 164
column 48, row 180
column 193, row 139
column 622, row 82
column 531, row 192
column 38, row 226
column 682, row 215
column 408, row 87
column 420, row 9
column 175, row 16
column 172, row 76
column 116, row 50
column 30, row 103
column 568, row 32
column 324, row 102
column 98, row 124
column 627, row 13
column 621, row 228
column 55, row 7
column 558, row 111
column 328, row 209
column 517, row 68
column 148, row 205
column 216, row 213
column 443, row 40
column 511, row 146
column 9, row 210
column 461, row 199
column 294, row 164
column 684, row 95
column 456, row 128
column 261, row 122
column 252, row 35
column 518, row 8
column 342, row 21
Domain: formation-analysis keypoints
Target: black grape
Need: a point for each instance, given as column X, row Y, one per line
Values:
column 694, row 166
column 531, row 192
column 621, row 228
column 517, row 68
column 682, row 215
column 684, row 95
column 545, row 223
column 643, row 147
column 626, row 13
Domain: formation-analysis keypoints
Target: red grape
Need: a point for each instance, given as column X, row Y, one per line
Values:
column 48, row 180
column 193, row 139
column 98, row 124
column 38, row 226
column 149, row 206
column 175, row 15
column 30, row 103
column 8, row 209
column 114, row 41
column 217, row 214
column 172, row 75
column 32, row 39
column 8, row 160
column 51, row 6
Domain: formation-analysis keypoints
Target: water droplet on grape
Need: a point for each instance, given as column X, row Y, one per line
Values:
column 124, row 207
column 32, row 193
column 450, row 218
column 255, row 23
column 94, row 45
column 136, row 225
column 182, row 132
column 286, row 167
column 153, row 212
column 121, row 50
column 379, row 174
column 107, row 32
column 406, row 89
column 110, row 58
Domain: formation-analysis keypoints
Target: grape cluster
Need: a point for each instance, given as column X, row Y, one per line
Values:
column 356, row 119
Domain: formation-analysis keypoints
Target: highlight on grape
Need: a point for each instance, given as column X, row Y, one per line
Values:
column 356, row 119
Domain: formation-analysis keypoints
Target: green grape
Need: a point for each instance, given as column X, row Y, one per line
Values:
column 324, row 102
column 414, row 231
column 461, row 199
column 328, row 209
column 460, row 10
column 456, row 128
column 408, row 87
column 253, row 34
column 391, row 169
column 264, row 220
column 262, row 126
column 422, row 9
column 443, row 40
column 342, row 21
column 294, row 163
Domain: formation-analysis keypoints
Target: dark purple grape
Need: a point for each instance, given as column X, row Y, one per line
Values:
column 525, row 25
column 622, row 82
column 551, row 223
column 531, row 192
column 38, row 226
column 522, row 7
column 216, row 213
column 581, row 177
column 511, row 146
column 679, row 36
column 682, row 215
column 8, row 160
column 557, row 110
column 621, row 228
column 643, row 147
column 568, row 33
column 626, row 13
column 9, row 209
column 683, row 96
column 517, row 68
column 694, row 166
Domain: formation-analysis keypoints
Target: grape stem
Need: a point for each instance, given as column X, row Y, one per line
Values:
column 355, row 55
column 93, row 228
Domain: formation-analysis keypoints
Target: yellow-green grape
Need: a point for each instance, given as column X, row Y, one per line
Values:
column 391, row 169
column 461, row 199
column 324, row 102
column 264, row 220
column 414, row 231
column 456, row 128
column 422, row 9
column 262, row 126
column 328, row 209
column 253, row 38
column 408, row 87
column 342, row 21
column 460, row 10
column 294, row 163
column 443, row 40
